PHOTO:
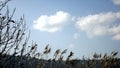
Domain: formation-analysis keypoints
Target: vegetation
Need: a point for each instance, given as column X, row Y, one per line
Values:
column 15, row 53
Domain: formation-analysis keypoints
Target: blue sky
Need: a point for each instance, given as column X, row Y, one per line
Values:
column 81, row 26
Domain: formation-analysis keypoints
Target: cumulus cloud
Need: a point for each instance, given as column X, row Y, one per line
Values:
column 116, row 2
column 101, row 24
column 53, row 22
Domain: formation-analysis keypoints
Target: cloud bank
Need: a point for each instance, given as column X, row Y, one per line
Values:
column 94, row 25
column 52, row 23
column 101, row 24
column 116, row 2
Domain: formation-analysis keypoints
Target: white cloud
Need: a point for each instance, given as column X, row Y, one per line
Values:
column 71, row 46
column 52, row 23
column 116, row 32
column 101, row 24
column 76, row 35
column 116, row 2
column 3, row 0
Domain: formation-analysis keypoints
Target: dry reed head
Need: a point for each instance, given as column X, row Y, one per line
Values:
column 12, row 38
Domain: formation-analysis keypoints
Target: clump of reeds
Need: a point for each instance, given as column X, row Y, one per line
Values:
column 15, row 52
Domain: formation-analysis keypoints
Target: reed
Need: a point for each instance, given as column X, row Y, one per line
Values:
column 16, row 53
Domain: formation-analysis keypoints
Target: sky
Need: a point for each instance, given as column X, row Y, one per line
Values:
column 81, row 26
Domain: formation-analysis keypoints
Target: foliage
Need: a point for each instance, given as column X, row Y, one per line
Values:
column 15, row 53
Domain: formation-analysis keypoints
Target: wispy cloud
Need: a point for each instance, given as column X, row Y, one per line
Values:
column 116, row 2
column 76, row 35
column 52, row 23
column 101, row 24
column 71, row 46
column 2, row 0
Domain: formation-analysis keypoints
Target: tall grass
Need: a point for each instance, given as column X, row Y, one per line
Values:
column 15, row 52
